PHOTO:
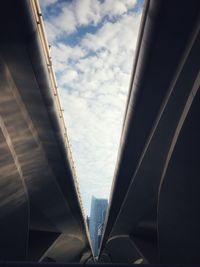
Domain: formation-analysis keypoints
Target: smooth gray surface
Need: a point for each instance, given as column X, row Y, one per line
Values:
column 40, row 179
column 179, row 197
column 165, row 74
column 164, row 36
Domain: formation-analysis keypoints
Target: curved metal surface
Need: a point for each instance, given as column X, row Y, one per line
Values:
column 163, row 38
column 178, row 215
column 162, row 82
column 34, row 122
column 15, row 210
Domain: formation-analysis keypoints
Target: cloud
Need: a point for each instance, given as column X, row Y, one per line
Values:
column 64, row 23
column 45, row 3
column 63, row 54
column 87, row 12
column 79, row 13
column 93, row 75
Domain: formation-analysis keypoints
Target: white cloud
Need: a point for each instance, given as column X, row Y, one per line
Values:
column 87, row 11
column 68, row 77
column 82, row 13
column 64, row 23
column 63, row 53
column 114, row 36
column 46, row 3
column 93, row 77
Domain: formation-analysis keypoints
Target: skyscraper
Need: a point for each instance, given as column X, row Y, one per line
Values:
column 97, row 217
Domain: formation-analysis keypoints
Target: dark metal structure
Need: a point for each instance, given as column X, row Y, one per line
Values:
column 154, row 211
column 41, row 216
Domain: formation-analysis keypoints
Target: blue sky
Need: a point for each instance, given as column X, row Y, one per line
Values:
column 92, row 46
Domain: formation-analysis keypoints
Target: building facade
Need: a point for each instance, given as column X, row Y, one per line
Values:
column 97, row 218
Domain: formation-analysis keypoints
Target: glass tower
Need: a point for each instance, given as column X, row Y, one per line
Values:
column 97, row 218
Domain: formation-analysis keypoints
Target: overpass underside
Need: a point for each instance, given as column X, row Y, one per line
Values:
column 41, row 216
column 154, row 210
column 154, row 213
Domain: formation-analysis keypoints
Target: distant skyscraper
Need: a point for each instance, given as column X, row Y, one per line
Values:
column 97, row 217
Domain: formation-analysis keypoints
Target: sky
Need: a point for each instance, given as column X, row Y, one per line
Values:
column 92, row 47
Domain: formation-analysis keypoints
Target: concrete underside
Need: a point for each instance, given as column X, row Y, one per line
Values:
column 40, row 213
column 154, row 209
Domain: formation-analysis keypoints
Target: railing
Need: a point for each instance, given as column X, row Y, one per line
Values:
column 46, row 48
